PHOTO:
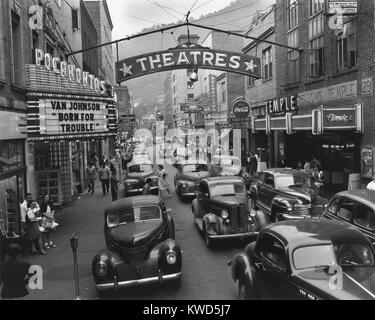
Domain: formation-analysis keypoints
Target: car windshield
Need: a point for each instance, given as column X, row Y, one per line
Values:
column 139, row 168
column 353, row 254
column 314, row 257
column 194, row 168
column 292, row 180
column 139, row 214
column 227, row 189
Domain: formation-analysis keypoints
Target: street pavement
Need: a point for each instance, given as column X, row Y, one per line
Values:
column 205, row 274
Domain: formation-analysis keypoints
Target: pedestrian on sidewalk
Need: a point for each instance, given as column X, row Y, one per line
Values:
column 104, row 175
column 33, row 233
column 14, row 275
column 48, row 222
column 91, row 176
column 253, row 165
column 115, row 178
column 162, row 181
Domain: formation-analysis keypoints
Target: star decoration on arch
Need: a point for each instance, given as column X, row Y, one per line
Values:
column 250, row 66
column 126, row 69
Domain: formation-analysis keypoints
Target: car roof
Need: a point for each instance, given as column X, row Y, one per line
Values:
column 192, row 161
column 131, row 202
column 215, row 180
column 276, row 171
column 309, row 232
column 364, row 196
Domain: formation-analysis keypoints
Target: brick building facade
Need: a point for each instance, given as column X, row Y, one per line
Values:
column 331, row 73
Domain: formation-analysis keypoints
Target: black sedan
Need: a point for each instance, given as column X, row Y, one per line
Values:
column 141, row 246
column 306, row 259
column 136, row 175
column 356, row 207
column 287, row 194
column 188, row 176
column 221, row 210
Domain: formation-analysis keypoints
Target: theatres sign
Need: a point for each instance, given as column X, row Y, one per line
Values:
column 197, row 57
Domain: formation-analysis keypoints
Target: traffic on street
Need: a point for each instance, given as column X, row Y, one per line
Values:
column 219, row 150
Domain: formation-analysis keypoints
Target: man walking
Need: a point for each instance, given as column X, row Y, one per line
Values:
column 115, row 179
column 104, row 175
column 253, row 165
column 91, row 175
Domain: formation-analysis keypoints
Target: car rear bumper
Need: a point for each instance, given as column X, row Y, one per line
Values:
column 115, row 285
column 234, row 236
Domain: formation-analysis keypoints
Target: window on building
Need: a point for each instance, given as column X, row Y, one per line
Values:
column 267, row 63
column 293, row 70
column 75, row 19
column 190, row 85
column 316, row 43
column 316, row 6
column 35, row 43
column 190, row 95
column 250, row 81
column 347, row 46
column 17, row 69
column 292, row 14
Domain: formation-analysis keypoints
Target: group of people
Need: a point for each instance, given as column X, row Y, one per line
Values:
column 109, row 176
column 38, row 222
column 314, row 169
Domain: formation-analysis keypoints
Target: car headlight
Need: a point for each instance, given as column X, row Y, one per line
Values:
column 184, row 185
column 253, row 213
column 171, row 257
column 101, row 269
column 224, row 214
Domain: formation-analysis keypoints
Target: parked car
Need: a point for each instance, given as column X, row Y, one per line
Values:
column 188, row 176
column 141, row 246
column 221, row 210
column 135, row 177
column 356, row 207
column 286, row 194
column 306, row 259
column 225, row 165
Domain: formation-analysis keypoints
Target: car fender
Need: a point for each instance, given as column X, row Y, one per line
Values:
column 160, row 251
column 212, row 223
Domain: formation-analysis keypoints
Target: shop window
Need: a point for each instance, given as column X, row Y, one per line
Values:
column 17, row 66
column 11, row 156
column 347, row 46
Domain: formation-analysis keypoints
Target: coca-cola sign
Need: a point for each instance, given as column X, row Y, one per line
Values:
column 241, row 109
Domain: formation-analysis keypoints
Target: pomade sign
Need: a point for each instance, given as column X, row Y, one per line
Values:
column 72, row 117
column 187, row 58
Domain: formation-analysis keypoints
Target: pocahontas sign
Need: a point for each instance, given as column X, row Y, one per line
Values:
column 184, row 58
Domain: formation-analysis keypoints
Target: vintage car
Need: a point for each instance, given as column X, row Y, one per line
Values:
column 141, row 246
column 135, row 177
column 221, row 210
column 188, row 176
column 314, row 259
column 286, row 194
column 225, row 165
column 356, row 207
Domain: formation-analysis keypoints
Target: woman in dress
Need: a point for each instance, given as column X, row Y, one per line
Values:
column 162, row 181
column 33, row 234
column 48, row 222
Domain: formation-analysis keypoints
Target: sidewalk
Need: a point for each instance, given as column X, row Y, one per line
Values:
column 85, row 218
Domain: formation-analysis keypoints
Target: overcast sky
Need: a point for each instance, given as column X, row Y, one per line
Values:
column 131, row 16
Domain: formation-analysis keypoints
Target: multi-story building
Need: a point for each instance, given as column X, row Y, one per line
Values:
column 332, row 75
column 15, row 45
column 168, row 100
column 61, row 91
column 259, row 91
column 101, row 17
